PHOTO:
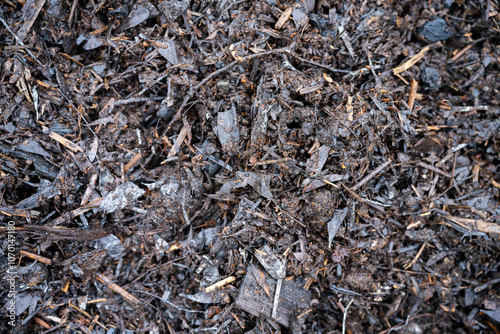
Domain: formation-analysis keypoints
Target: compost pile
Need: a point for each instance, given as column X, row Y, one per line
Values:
column 175, row 166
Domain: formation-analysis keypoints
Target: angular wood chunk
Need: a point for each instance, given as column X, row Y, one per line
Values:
column 294, row 299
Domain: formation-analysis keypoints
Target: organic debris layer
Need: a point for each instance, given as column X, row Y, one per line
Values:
column 249, row 166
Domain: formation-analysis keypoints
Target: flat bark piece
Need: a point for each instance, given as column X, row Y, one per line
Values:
column 495, row 314
column 435, row 30
column 300, row 16
column 168, row 50
column 31, row 146
column 228, row 130
column 258, row 182
column 172, row 9
column 213, row 297
column 317, row 160
column 259, row 130
column 30, row 11
column 136, row 17
column 274, row 266
column 121, row 197
column 293, row 301
column 320, row 183
column 334, row 224
column 46, row 191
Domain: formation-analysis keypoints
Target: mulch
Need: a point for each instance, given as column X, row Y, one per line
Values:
column 250, row 166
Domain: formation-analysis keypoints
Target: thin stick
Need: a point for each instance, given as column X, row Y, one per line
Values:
column 72, row 12
column 362, row 200
column 118, row 289
column 345, row 316
column 487, row 285
column 416, row 256
column 138, row 100
column 276, row 298
column 372, row 175
column 267, row 162
column 219, row 284
column 412, row 61
column 36, row 257
column 20, row 41
column 132, row 162
column 434, row 169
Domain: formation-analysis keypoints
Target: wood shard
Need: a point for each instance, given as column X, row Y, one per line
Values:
column 255, row 300
column 475, row 225
column 118, row 289
column 413, row 93
column 65, row 142
column 30, row 12
column 412, row 61
column 219, row 284
column 283, row 18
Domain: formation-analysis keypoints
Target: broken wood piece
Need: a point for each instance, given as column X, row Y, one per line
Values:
column 65, row 142
column 347, row 41
column 8, row 211
column 180, row 138
column 283, row 18
column 42, row 323
column 88, row 191
column 294, row 299
column 36, row 257
column 219, row 284
column 228, row 130
column 118, row 289
column 413, row 93
column 274, row 313
column 85, row 314
column 372, row 175
column 63, row 233
column 362, row 200
column 475, row 225
column 132, row 162
column 327, row 179
column 267, row 162
column 276, row 268
column 334, row 224
column 30, row 12
column 415, row 259
column 412, row 61
column 434, row 169
column 92, row 205
column 317, row 160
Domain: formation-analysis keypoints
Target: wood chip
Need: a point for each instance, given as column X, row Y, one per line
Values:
column 180, row 138
column 219, row 284
column 132, row 162
column 30, row 12
column 283, row 18
column 36, row 257
column 413, row 93
column 294, row 299
column 475, row 225
column 412, row 61
column 65, row 142
column 118, row 289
